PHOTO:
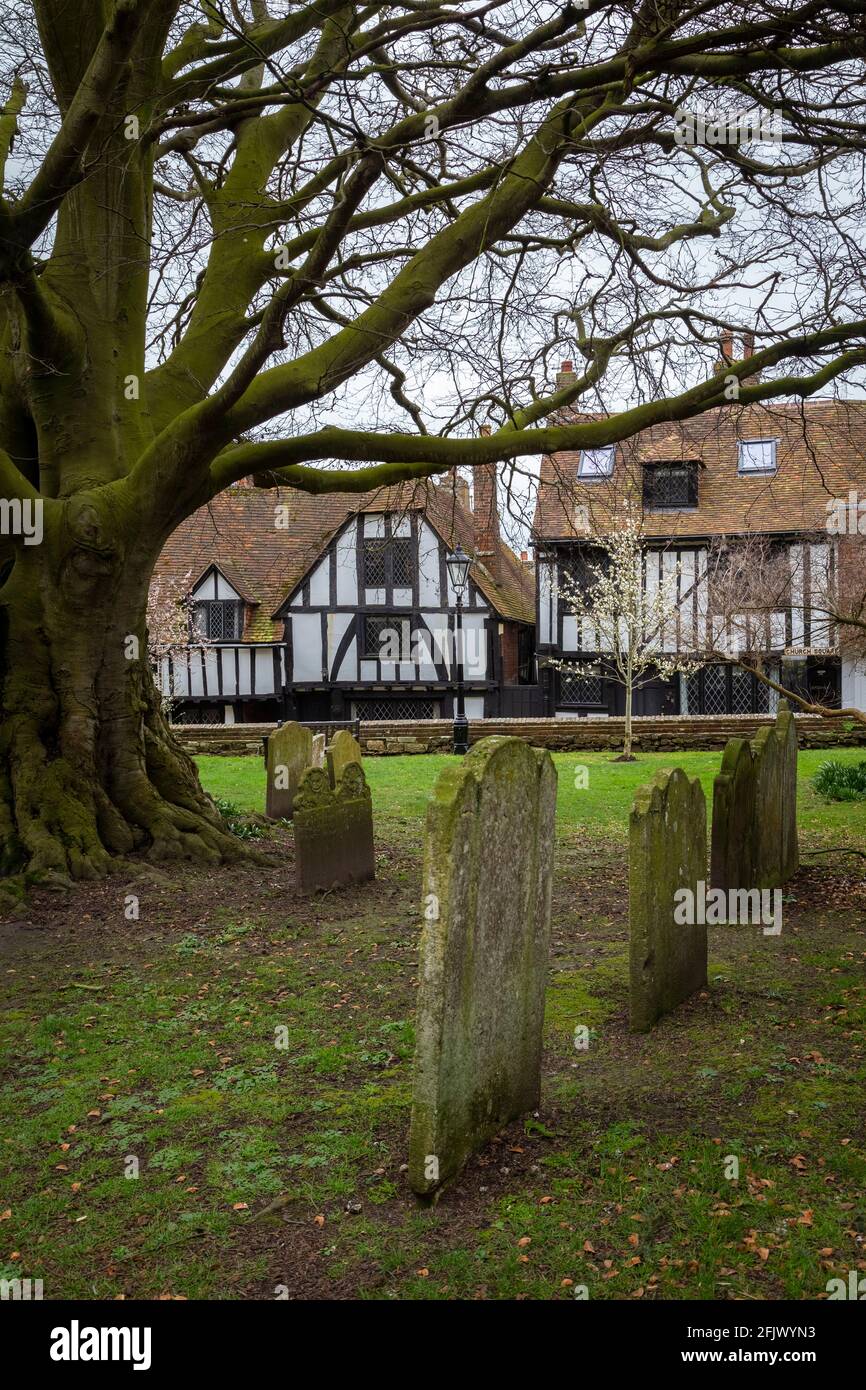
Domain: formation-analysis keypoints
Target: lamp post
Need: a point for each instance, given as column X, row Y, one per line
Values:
column 458, row 572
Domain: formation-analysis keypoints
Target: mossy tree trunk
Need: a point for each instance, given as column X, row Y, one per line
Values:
column 89, row 769
column 88, row 766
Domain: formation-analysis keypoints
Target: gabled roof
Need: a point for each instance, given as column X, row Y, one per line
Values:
column 238, row 533
column 231, row 575
column 820, row 454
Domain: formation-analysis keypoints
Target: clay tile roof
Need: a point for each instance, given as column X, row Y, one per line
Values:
column 233, row 575
column 264, row 561
column 820, row 454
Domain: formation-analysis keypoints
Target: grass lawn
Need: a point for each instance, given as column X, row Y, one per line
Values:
column 401, row 786
column 212, row 1100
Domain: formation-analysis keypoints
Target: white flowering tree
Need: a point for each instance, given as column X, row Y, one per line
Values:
column 169, row 610
column 631, row 617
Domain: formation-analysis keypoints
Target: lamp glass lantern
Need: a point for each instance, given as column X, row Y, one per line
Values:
column 458, row 572
column 458, row 563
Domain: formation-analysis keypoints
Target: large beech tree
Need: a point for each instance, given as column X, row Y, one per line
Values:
column 322, row 243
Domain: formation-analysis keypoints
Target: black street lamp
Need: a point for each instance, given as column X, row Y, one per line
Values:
column 458, row 572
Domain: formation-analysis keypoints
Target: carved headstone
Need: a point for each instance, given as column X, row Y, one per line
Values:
column 343, row 749
column 333, row 830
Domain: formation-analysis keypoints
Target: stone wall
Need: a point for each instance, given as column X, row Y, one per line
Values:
column 662, row 734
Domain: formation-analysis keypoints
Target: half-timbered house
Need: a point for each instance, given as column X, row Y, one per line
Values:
column 340, row 606
column 768, row 471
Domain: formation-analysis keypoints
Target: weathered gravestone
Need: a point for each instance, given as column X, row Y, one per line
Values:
column 317, row 758
column 333, row 830
column 767, row 824
column 343, row 749
column 754, row 839
column 786, row 732
column 732, row 857
column 488, row 871
column 667, row 852
column 290, row 750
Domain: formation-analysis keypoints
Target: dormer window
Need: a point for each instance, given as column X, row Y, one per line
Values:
column 216, row 609
column 670, row 486
column 757, row 456
column 218, row 620
column 596, row 463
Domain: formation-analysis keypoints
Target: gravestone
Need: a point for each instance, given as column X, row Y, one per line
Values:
column 754, row 838
column 786, row 731
column 488, row 873
column 318, row 755
column 667, row 852
column 767, row 823
column 333, row 830
column 732, row 856
column 290, row 750
column 343, row 749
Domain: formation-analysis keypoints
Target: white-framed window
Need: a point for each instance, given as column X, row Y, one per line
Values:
column 757, row 456
column 596, row 463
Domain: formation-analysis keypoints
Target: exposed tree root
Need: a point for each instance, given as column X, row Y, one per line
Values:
column 77, row 802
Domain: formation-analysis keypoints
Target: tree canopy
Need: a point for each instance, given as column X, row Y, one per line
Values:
column 221, row 225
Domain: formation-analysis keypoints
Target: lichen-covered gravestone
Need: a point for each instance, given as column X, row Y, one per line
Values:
column 343, row 749
column 733, row 840
column 786, row 732
column 488, row 872
column 754, row 843
column 333, row 830
column 667, row 851
column 767, row 824
column 290, row 750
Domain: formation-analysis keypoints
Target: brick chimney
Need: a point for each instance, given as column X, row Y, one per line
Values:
column 748, row 351
column 485, row 514
column 566, row 376
column 726, row 350
column 455, row 487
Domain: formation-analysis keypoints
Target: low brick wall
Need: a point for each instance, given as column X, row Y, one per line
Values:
column 661, row 734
